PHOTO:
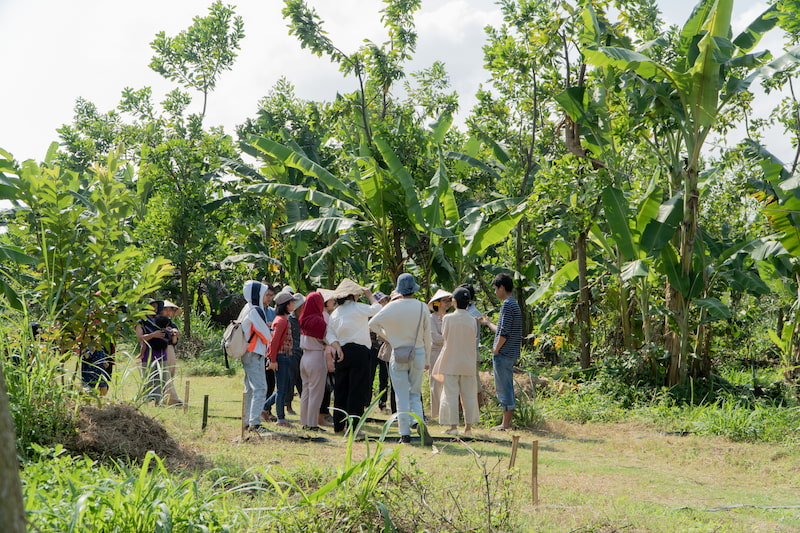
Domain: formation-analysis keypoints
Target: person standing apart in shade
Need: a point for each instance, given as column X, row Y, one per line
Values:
column 439, row 305
column 171, row 311
column 506, row 347
column 348, row 334
column 455, row 369
column 278, row 353
column 313, row 365
column 406, row 322
column 254, row 322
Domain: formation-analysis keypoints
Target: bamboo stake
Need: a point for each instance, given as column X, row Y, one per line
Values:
column 514, row 444
column 244, row 413
column 205, row 411
column 535, row 472
column 186, row 398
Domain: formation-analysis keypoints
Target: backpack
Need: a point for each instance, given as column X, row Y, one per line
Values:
column 234, row 340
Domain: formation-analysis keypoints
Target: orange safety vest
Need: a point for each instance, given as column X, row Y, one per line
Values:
column 255, row 336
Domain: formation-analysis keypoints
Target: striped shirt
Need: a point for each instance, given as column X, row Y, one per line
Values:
column 510, row 326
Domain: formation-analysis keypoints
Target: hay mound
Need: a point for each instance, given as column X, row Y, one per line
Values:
column 120, row 431
column 523, row 384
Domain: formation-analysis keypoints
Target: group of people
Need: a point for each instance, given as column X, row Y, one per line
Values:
column 330, row 342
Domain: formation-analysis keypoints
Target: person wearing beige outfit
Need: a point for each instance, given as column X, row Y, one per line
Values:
column 455, row 369
column 439, row 305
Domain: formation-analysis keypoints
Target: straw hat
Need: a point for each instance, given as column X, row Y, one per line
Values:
column 348, row 287
column 327, row 294
column 441, row 293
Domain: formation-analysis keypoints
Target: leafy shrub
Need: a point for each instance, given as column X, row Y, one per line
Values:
column 42, row 399
column 69, row 494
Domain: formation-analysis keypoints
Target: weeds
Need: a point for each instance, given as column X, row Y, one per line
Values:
column 68, row 494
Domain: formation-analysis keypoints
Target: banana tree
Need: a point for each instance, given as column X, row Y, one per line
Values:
column 688, row 95
column 378, row 206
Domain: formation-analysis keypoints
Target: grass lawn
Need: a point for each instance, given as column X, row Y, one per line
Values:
column 591, row 477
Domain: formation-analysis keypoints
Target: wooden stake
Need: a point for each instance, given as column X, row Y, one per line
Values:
column 186, row 398
column 244, row 413
column 205, row 411
column 535, row 472
column 514, row 444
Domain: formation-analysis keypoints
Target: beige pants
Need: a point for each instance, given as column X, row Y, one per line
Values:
column 452, row 388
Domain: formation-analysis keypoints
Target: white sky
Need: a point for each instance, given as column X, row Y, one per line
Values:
column 56, row 51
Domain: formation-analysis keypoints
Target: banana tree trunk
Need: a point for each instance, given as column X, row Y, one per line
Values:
column 583, row 315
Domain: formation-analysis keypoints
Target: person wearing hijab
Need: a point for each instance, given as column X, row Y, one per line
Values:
column 254, row 322
column 313, row 366
column 439, row 305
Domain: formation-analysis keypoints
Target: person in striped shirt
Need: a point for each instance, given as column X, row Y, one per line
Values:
column 506, row 347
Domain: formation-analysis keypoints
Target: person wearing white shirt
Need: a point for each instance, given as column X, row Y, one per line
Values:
column 348, row 335
column 406, row 322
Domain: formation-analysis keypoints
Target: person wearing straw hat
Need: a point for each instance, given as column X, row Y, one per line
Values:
column 439, row 304
column 171, row 311
column 348, row 335
column 405, row 323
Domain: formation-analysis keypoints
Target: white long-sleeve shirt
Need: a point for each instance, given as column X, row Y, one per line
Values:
column 350, row 323
column 397, row 323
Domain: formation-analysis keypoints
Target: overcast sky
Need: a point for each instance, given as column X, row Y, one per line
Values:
column 54, row 51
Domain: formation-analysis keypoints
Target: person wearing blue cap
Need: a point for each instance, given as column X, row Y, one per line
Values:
column 405, row 324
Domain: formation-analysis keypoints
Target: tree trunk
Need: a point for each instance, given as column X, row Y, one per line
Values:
column 12, row 508
column 187, row 301
column 672, row 343
column 584, row 318
column 519, row 292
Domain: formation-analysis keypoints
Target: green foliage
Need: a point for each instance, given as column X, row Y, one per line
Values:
column 68, row 494
column 197, row 56
column 42, row 399
column 85, row 278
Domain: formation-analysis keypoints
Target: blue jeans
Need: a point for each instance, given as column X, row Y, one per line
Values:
column 407, row 384
column 504, row 380
column 255, row 387
column 282, row 381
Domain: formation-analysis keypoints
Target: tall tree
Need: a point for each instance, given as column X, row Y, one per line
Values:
column 197, row 56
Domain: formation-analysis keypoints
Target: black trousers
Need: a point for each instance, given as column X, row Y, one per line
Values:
column 352, row 381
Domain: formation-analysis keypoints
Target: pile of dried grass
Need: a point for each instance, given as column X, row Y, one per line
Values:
column 120, row 431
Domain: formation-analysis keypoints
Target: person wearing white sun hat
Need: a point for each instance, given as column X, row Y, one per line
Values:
column 439, row 304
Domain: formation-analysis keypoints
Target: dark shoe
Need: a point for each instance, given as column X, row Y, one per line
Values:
column 267, row 416
column 258, row 430
column 404, row 439
column 313, row 428
column 290, row 411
